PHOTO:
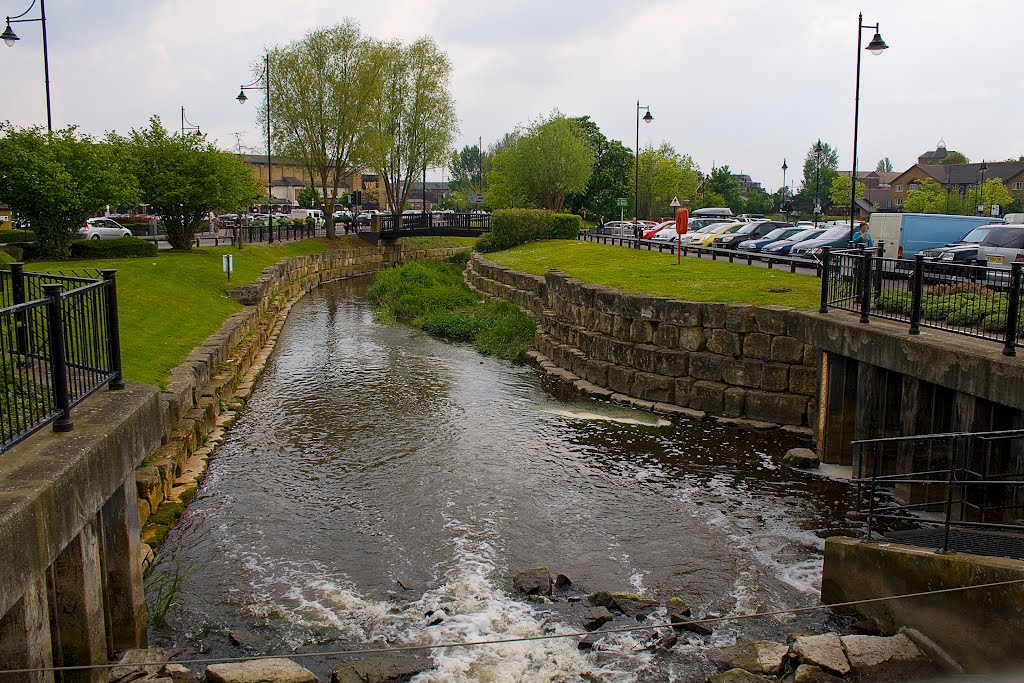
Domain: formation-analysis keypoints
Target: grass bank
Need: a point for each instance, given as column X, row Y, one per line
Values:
column 433, row 297
column 649, row 272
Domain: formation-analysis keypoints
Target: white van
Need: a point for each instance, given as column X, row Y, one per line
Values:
column 303, row 214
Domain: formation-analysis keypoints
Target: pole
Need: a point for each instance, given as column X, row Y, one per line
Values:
column 270, row 183
column 856, row 116
column 784, row 167
column 636, row 178
column 46, row 67
column 817, row 173
column 183, row 120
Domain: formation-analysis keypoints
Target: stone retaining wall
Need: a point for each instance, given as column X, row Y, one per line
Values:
column 728, row 361
column 205, row 392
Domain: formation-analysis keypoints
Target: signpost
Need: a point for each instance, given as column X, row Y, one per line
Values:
column 675, row 202
column 682, row 221
column 621, row 202
column 475, row 198
column 228, row 264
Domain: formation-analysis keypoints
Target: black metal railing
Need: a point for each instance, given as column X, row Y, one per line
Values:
column 434, row 222
column 59, row 342
column 968, row 299
column 952, row 492
column 255, row 234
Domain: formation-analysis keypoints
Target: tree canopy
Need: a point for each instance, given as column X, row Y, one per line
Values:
column 954, row 157
column 724, row 183
column 929, row 197
column 820, row 169
column 839, row 192
column 663, row 174
column 884, row 166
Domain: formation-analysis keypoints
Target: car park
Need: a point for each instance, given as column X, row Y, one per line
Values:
column 964, row 250
column 652, row 231
column 102, row 229
column 836, row 237
column 703, row 239
column 775, row 235
column 783, row 247
column 747, row 231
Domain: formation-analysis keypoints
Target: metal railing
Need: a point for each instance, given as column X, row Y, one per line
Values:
column 59, row 342
column 972, row 300
column 964, row 491
column 434, row 222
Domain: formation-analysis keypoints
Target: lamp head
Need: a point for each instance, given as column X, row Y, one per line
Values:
column 784, row 166
column 647, row 117
column 9, row 36
column 241, row 97
column 876, row 45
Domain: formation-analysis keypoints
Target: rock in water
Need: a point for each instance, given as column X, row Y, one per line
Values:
column 869, row 652
column 596, row 617
column 633, row 605
column 756, row 656
column 260, row 671
column 379, row 670
column 801, row 457
column 563, row 581
column 135, row 664
column 825, row 651
column 533, row 581
column 677, row 610
column 739, row 676
column 806, row 673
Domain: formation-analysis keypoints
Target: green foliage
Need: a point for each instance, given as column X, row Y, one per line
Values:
column 706, row 199
column 309, row 198
column 18, row 391
column 724, row 183
column 510, row 227
column 17, row 236
column 125, row 247
column 954, row 157
column 884, row 166
column 894, row 301
column 839, row 191
column 434, row 297
column 664, row 174
column 821, row 166
column 929, row 197
column 466, row 170
column 57, row 180
column 165, row 588
column 993, row 191
column 760, row 201
column 6, row 259
column 565, row 226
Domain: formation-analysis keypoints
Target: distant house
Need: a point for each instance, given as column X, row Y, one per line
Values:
column 959, row 178
column 747, row 184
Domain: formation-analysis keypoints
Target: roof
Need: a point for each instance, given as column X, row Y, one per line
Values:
column 886, row 177
column 288, row 181
column 970, row 174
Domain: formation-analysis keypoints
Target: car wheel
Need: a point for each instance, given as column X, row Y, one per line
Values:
column 126, row 234
column 95, row 237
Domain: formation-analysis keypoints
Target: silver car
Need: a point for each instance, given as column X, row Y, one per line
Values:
column 102, row 229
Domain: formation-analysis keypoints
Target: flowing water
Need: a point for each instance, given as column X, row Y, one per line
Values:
column 372, row 458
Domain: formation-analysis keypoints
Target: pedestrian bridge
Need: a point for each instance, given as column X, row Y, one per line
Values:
column 420, row 224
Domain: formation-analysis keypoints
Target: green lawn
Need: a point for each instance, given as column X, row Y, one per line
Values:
column 170, row 303
column 649, row 272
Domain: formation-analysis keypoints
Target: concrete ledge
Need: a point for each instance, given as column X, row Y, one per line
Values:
column 52, row 485
column 979, row 629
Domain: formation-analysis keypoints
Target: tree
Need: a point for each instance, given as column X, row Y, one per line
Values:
column 760, row 202
column 412, row 123
column 709, row 199
column 884, row 166
column 611, row 177
column 992, row 192
column 839, row 191
column 323, row 89
column 724, row 183
column 955, row 158
column 929, row 197
column 465, row 170
column 184, row 178
column 309, row 198
column 664, row 174
column 820, row 168
column 57, row 180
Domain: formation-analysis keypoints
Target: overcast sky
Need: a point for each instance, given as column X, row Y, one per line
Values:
column 738, row 82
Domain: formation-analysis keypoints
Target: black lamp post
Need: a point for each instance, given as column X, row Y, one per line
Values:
column 983, row 169
column 636, row 177
column 190, row 127
column 241, row 100
column 785, row 167
column 875, row 47
column 817, row 176
column 10, row 37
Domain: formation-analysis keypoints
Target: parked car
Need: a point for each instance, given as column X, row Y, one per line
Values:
column 837, row 237
column 102, row 229
column 695, row 234
column 651, row 232
column 705, row 238
column 228, row 220
column 1002, row 246
column 731, row 240
column 783, row 247
column 964, row 250
column 773, row 236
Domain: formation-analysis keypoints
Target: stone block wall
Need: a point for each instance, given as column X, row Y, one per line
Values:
column 726, row 360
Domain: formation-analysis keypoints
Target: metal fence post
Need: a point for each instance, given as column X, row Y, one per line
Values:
column 865, row 286
column 20, row 319
column 1012, row 311
column 826, row 262
column 113, row 329
column 58, row 360
column 916, row 294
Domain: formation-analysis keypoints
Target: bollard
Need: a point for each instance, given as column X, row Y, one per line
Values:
column 113, row 329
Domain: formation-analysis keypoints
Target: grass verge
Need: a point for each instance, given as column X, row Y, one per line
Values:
column 649, row 272
column 433, row 297
column 439, row 242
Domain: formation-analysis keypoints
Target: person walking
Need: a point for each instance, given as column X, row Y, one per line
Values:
column 862, row 236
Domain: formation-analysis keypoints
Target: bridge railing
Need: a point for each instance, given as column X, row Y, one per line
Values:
column 59, row 342
column 972, row 300
column 419, row 221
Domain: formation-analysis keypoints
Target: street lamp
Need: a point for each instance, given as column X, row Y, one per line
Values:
column 190, row 127
column 875, row 47
column 636, row 177
column 241, row 100
column 10, row 37
column 784, row 168
column 983, row 169
column 817, row 175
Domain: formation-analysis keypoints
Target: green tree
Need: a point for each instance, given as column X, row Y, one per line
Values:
column 992, row 192
column 611, row 177
column 412, row 123
column 465, row 170
column 760, row 201
column 820, row 168
column 184, row 178
column 884, row 166
column 708, row 199
column 929, row 197
column 310, row 198
column 955, row 157
column 664, row 174
column 324, row 87
column 724, row 183
column 839, row 191
column 57, row 180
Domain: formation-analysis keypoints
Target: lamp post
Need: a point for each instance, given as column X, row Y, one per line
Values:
column 983, row 169
column 817, row 178
column 784, row 207
column 241, row 100
column 190, row 127
column 10, row 37
column 876, row 46
column 636, row 177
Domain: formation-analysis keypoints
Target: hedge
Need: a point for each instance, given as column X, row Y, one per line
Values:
column 119, row 248
column 16, row 236
column 511, row 227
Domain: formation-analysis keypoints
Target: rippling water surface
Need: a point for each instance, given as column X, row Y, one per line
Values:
column 374, row 454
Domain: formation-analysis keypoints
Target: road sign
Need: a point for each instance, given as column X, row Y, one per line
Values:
column 675, row 202
column 996, row 209
column 475, row 198
column 621, row 201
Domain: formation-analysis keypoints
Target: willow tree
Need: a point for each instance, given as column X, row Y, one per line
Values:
column 412, row 124
column 323, row 90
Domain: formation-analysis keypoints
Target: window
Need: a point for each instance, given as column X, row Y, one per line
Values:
column 912, row 187
column 899, row 188
column 1017, row 186
column 899, row 201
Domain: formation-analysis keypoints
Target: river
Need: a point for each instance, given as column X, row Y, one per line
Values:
column 375, row 454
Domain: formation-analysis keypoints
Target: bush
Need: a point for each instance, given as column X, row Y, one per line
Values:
column 566, row 226
column 17, row 236
column 6, row 259
column 119, row 248
column 892, row 301
column 511, row 227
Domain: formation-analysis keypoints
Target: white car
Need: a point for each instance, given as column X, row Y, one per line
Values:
column 102, row 229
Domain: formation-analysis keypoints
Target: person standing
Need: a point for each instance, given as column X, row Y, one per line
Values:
column 862, row 236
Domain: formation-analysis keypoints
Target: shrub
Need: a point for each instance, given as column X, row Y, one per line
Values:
column 6, row 259
column 893, row 301
column 119, row 248
column 565, row 226
column 17, row 236
column 511, row 227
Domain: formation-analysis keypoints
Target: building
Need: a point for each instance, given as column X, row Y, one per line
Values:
column 747, row 184
column 959, row 178
column 436, row 193
column 289, row 177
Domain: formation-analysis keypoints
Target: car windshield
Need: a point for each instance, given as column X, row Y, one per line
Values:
column 805, row 235
column 977, row 235
column 747, row 229
column 776, row 234
column 836, row 232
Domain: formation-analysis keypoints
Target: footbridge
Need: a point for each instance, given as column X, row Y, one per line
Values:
column 424, row 224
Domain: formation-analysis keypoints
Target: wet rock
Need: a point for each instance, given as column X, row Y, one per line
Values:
column 588, row 642
column 633, row 605
column 866, row 628
column 825, row 651
column 596, row 617
column 663, row 641
column 805, row 673
column 801, row 457
column 379, row 670
column 601, row 599
column 677, row 610
column 135, row 664
column 436, row 617
column 756, row 656
column 410, row 585
column 177, row 672
column 260, row 671
column 242, row 639
column 869, row 652
column 533, row 581
column 738, row 676
column 563, row 581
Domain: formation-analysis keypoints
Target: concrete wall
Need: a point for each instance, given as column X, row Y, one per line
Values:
column 980, row 628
